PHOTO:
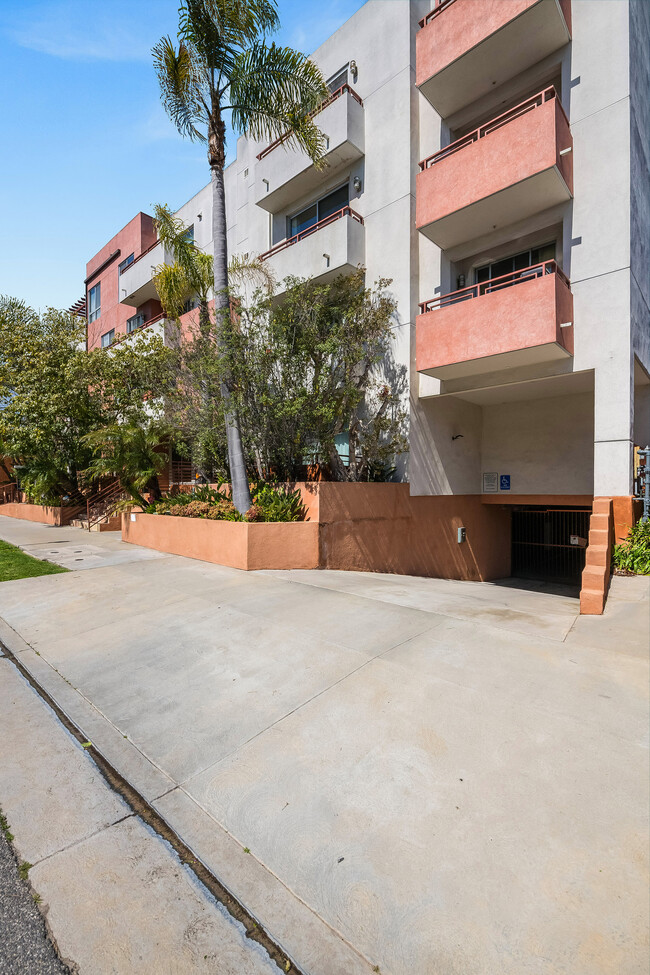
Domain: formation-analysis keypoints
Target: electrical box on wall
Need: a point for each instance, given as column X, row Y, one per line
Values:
column 461, row 535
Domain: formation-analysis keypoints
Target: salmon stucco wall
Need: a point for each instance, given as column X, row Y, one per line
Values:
column 382, row 528
column 235, row 544
column 43, row 514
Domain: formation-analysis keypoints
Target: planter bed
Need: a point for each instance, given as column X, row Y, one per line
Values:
column 43, row 514
column 240, row 545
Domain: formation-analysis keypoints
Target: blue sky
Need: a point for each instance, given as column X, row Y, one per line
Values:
column 86, row 144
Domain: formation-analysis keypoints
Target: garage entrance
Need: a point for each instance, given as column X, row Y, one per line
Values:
column 549, row 544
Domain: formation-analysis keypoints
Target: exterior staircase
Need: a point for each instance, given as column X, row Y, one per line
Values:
column 596, row 573
column 99, row 516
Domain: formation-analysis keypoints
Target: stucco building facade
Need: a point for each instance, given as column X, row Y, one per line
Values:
column 490, row 157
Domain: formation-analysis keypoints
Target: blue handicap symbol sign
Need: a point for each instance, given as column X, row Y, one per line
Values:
column 504, row 482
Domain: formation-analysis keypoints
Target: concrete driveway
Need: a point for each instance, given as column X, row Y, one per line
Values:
column 433, row 777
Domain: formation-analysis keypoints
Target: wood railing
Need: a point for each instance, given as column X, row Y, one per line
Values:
column 535, row 101
column 289, row 241
column 494, row 284
column 328, row 101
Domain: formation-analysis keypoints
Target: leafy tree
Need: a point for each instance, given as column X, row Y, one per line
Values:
column 317, row 365
column 223, row 64
column 47, row 403
column 54, row 394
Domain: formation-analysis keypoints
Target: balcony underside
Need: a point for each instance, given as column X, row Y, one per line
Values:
column 310, row 180
column 510, row 49
column 136, row 281
column 516, row 359
column 535, row 194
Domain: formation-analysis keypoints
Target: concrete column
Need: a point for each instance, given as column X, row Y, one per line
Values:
column 613, row 428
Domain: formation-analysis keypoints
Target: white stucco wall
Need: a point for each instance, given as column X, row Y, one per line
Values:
column 546, row 445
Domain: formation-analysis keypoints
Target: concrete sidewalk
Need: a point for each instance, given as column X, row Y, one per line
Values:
column 116, row 898
column 430, row 776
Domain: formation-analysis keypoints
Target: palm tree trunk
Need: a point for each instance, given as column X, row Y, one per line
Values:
column 239, row 481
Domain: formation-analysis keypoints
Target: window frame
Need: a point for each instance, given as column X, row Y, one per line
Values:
column 93, row 315
column 107, row 345
column 317, row 203
column 122, row 266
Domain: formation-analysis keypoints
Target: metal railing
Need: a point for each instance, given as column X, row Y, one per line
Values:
column 104, row 498
column 439, row 7
column 289, row 241
column 494, row 284
column 138, row 328
column 535, row 101
column 8, row 493
column 328, row 101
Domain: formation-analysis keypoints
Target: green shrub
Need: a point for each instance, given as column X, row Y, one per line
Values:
column 271, row 502
column 633, row 555
column 276, row 503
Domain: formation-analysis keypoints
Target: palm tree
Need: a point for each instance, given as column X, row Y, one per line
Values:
column 222, row 63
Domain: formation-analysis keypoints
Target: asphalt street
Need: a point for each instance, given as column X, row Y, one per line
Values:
column 24, row 944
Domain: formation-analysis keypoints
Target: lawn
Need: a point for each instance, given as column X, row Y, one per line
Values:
column 15, row 564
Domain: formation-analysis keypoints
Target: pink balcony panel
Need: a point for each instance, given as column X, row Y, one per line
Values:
column 467, row 47
column 513, row 321
column 513, row 167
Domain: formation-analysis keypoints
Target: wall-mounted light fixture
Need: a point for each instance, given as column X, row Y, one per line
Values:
column 354, row 71
column 327, row 259
column 267, row 184
column 356, row 182
column 460, row 281
column 199, row 216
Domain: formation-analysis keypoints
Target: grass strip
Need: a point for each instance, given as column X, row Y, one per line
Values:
column 16, row 564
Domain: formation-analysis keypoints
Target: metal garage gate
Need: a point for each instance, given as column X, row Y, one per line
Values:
column 549, row 543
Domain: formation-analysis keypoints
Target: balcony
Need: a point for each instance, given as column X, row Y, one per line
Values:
column 158, row 325
column 519, row 319
column 463, row 52
column 336, row 245
column 283, row 175
column 514, row 166
column 136, row 285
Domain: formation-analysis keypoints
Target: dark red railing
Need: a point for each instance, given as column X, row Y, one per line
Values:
column 150, row 321
column 535, row 101
column 140, row 256
column 439, row 7
column 494, row 284
column 328, row 101
column 289, row 241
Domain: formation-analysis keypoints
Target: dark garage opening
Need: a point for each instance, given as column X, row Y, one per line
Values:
column 549, row 544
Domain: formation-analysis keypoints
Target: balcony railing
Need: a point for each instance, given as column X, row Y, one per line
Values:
column 328, row 101
column 535, row 101
column 137, row 328
column 494, row 284
column 439, row 7
column 289, row 241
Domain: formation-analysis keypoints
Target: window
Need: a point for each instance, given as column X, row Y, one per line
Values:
column 313, row 214
column 518, row 262
column 134, row 323
column 338, row 80
column 189, row 305
column 94, row 303
column 107, row 338
column 189, row 235
column 125, row 263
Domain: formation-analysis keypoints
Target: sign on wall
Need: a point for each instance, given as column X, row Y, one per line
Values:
column 504, row 482
column 490, row 483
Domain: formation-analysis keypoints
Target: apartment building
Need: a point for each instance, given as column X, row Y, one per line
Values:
column 491, row 158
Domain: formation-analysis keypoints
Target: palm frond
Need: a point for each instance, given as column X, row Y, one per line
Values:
column 180, row 90
column 275, row 90
column 244, row 270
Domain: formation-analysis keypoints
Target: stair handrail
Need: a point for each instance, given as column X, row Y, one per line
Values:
column 108, row 493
